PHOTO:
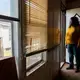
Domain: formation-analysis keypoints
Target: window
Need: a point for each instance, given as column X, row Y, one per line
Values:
column 10, row 37
column 33, row 59
column 5, row 43
column 36, row 30
column 9, row 8
column 8, row 18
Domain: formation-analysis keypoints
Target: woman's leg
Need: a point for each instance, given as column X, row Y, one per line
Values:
column 76, row 53
column 71, row 56
column 79, row 56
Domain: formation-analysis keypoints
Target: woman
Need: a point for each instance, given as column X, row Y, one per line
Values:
column 72, row 38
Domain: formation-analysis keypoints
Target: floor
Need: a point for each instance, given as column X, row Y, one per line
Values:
column 68, row 74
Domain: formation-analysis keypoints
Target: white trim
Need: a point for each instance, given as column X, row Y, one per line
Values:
column 35, row 68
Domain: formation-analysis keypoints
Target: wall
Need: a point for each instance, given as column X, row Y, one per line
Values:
column 69, row 14
column 49, row 70
column 8, row 68
column 64, row 2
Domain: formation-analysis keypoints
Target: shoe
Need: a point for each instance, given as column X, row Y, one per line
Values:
column 70, row 68
column 77, row 71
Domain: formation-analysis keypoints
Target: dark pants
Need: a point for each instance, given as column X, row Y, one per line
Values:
column 73, row 51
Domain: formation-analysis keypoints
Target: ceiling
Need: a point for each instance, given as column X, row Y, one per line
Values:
column 70, row 4
column 69, row 1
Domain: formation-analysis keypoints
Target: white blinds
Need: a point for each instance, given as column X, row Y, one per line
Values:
column 37, row 11
column 36, row 23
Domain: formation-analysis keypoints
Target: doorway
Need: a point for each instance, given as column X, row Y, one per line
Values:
column 70, row 13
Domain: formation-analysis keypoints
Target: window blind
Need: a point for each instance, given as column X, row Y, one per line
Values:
column 36, row 11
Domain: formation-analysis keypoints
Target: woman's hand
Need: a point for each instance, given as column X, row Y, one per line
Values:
column 66, row 46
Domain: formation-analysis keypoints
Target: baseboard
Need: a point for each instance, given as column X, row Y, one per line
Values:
column 62, row 65
column 67, row 62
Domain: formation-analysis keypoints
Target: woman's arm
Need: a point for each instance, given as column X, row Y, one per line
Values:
column 78, row 45
column 66, row 36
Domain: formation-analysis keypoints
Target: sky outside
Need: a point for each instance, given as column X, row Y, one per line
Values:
column 5, row 10
column 5, row 7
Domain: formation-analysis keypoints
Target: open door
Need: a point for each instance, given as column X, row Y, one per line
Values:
column 63, row 30
column 70, row 13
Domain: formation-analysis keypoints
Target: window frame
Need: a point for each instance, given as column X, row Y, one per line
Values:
column 38, row 62
column 11, row 19
column 19, row 21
